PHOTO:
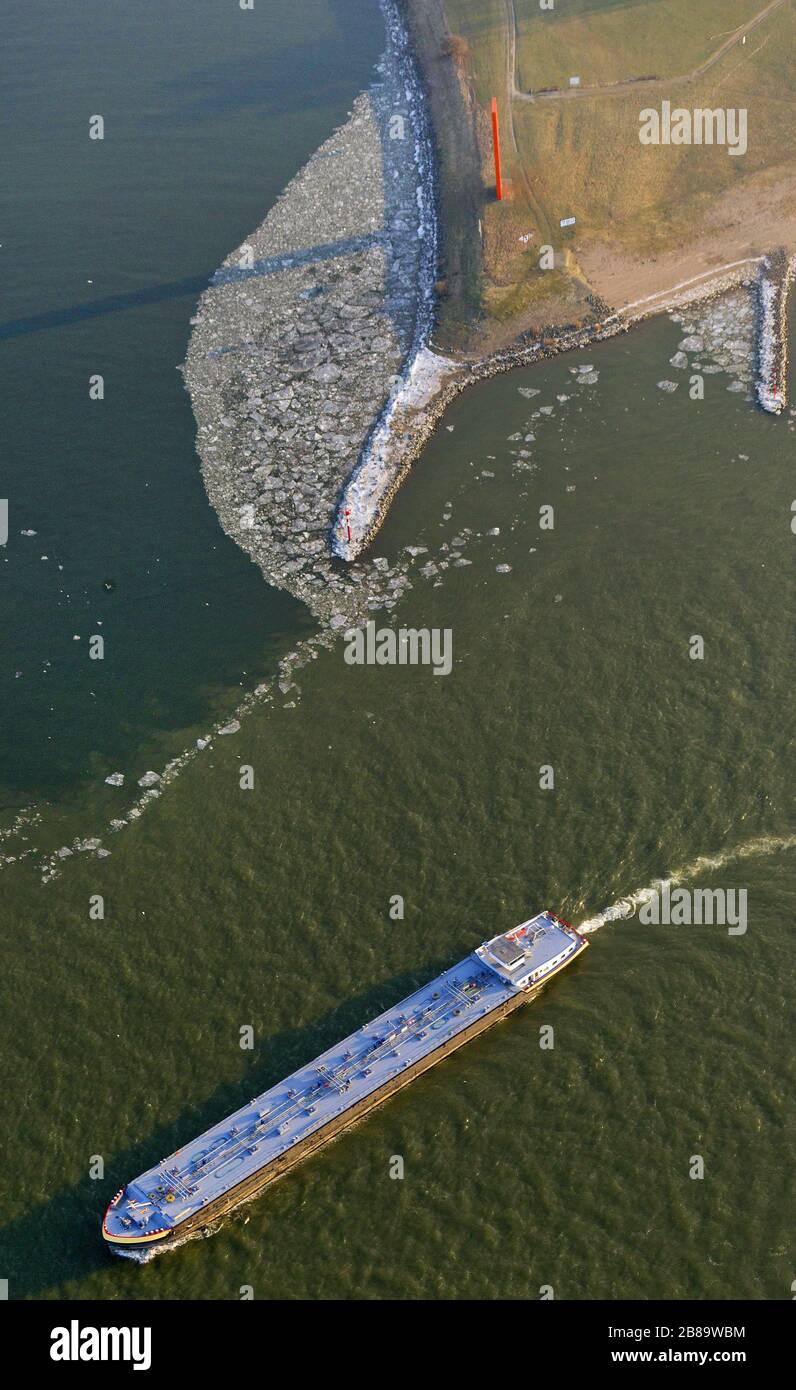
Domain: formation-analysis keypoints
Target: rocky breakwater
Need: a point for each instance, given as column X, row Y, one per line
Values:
column 408, row 420
column 773, row 292
column 408, row 415
column 300, row 339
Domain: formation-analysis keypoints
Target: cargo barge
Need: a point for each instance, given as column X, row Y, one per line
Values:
column 231, row 1162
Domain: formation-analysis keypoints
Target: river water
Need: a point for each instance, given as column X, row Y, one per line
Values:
column 524, row 1167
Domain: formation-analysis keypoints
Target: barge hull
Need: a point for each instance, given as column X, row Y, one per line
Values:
column 237, row 1158
column 251, row 1187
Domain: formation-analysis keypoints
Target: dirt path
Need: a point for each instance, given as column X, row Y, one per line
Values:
column 631, row 84
column 538, row 211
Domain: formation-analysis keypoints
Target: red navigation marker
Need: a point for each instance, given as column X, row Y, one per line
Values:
column 496, row 145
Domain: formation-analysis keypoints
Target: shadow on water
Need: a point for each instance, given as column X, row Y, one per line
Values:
column 78, row 313
column 192, row 286
column 60, row 1240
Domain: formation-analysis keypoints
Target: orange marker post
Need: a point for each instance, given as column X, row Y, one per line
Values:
column 496, row 144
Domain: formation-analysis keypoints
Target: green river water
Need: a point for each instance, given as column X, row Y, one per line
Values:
column 269, row 907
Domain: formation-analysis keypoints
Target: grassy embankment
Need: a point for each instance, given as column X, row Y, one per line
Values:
column 503, row 287
column 619, row 39
column 582, row 156
column 586, row 154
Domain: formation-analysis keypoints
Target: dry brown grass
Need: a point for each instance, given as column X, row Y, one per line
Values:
column 582, row 157
column 457, row 48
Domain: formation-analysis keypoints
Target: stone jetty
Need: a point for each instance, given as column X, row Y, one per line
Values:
column 773, row 292
column 304, row 333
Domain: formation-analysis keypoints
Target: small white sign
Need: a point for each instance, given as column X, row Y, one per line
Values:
column 567, row 222
column 574, row 81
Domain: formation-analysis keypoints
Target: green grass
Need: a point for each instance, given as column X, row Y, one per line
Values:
column 483, row 24
column 513, row 283
column 610, row 40
column 588, row 161
column 583, row 157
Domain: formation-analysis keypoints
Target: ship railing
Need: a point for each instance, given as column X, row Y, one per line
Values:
column 223, row 1151
column 426, row 1018
column 177, row 1183
column 348, row 1068
column 460, row 994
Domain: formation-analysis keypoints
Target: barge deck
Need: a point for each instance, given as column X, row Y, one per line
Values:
column 261, row 1141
